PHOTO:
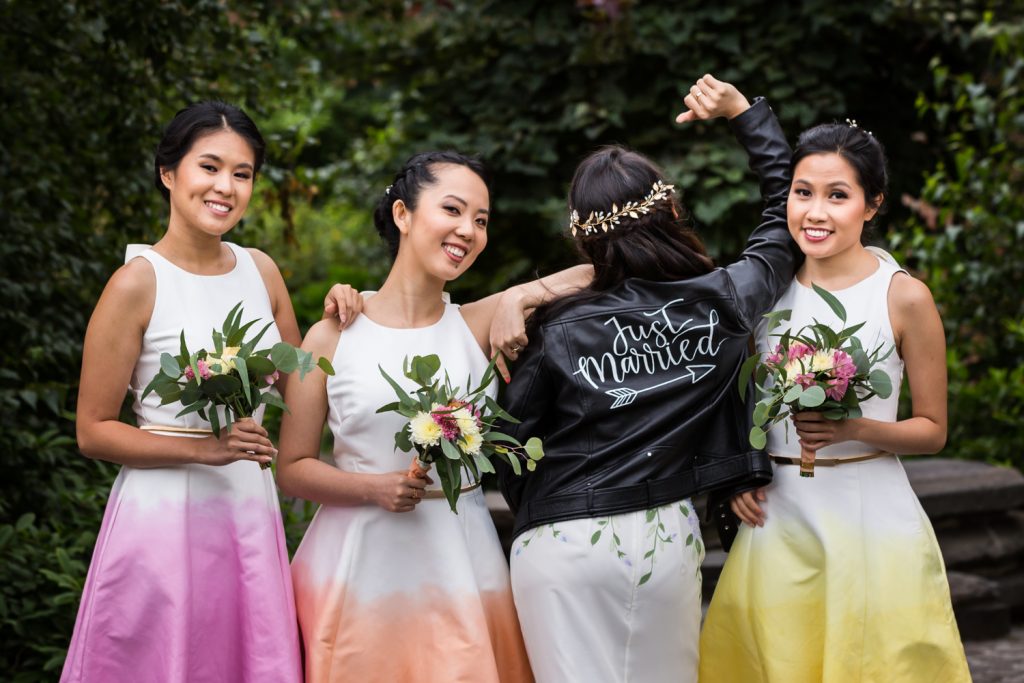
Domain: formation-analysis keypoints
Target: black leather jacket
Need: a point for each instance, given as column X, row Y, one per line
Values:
column 634, row 393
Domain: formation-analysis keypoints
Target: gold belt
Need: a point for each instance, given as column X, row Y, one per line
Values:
column 829, row 462
column 438, row 493
column 175, row 430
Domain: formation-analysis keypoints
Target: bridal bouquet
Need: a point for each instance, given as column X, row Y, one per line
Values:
column 234, row 376
column 454, row 431
column 814, row 368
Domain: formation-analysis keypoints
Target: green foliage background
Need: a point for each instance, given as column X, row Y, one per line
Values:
column 345, row 91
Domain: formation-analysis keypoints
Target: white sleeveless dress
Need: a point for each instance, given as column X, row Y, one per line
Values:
column 189, row 579
column 419, row 596
column 845, row 582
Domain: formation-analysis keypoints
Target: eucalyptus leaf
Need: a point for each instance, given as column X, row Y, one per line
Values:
column 761, row 412
column 259, row 366
column 758, row 438
column 243, row 375
column 450, row 475
column 831, row 300
column 326, row 366
column 812, row 397
column 880, row 383
column 402, row 440
column 272, row 399
column 450, row 450
column 230, row 320
column 169, row 366
column 746, row 370
column 483, row 464
column 284, row 358
column 250, row 344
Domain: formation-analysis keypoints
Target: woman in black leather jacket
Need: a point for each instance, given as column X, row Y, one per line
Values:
column 632, row 385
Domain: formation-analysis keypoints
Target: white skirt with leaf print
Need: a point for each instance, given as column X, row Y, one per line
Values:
column 612, row 598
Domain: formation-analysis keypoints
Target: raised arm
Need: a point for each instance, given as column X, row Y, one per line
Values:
column 771, row 257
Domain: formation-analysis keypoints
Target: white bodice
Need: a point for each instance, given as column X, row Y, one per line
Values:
column 364, row 441
column 198, row 305
column 865, row 301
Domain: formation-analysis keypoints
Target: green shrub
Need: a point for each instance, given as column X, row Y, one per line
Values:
column 967, row 238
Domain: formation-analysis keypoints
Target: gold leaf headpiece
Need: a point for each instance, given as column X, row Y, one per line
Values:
column 607, row 221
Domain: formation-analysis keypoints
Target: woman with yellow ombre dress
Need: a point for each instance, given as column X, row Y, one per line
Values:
column 838, row 578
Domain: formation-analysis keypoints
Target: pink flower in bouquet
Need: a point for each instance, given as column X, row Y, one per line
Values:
column 799, row 350
column 204, row 370
column 844, row 366
column 445, row 418
column 775, row 357
column 805, row 379
column 843, row 370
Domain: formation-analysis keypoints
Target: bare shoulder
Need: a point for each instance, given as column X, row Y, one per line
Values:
column 322, row 338
column 133, row 285
column 264, row 263
column 129, row 296
column 912, row 310
column 908, row 296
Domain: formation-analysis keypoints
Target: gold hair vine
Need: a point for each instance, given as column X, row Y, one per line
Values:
column 608, row 221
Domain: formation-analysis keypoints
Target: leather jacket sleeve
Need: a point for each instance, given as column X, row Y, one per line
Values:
column 771, row 257
column 526, row 400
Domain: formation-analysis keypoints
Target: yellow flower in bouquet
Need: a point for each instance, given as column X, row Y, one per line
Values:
column 423, row 430
column 454, row 430
column 471, row 442
column 225, row 362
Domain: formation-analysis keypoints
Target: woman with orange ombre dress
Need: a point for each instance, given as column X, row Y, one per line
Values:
column 390, row 585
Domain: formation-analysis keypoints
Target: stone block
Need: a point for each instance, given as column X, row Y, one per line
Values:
column 953, row 487
column 986, row 540
column 981, row 613
column 1011, row 589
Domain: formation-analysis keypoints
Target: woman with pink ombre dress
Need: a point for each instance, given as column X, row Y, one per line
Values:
column 189, row 580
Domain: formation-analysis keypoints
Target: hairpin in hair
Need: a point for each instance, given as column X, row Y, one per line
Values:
column 852, row 123
column 387, row 190
column 608, row 221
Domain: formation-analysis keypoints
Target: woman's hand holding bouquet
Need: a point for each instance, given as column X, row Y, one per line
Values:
column 233, row 379
column 454, row 431
column 813, row 369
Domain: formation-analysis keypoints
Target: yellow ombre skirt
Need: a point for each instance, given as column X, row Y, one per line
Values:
column 843, row 584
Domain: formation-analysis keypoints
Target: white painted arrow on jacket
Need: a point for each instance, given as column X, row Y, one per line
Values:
column 624, row 395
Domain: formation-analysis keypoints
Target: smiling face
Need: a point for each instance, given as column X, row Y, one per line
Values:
column 827, row 207
column 447, row 230
column 212, row 184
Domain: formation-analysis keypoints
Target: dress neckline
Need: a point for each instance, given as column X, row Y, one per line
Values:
column 858, row 283
column 174, row 265
column 436, row 323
